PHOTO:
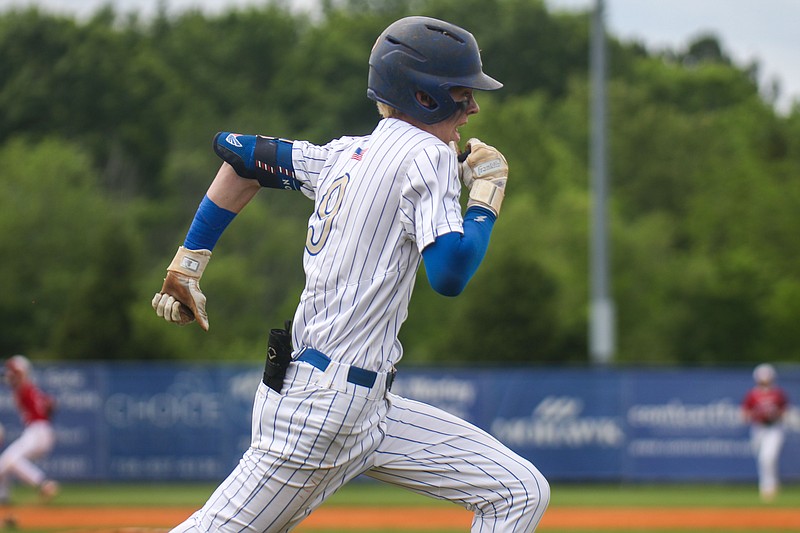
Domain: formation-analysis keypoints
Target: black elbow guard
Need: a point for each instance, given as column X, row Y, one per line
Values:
column 257, row 157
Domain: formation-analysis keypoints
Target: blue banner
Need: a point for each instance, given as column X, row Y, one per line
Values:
column 192, row 422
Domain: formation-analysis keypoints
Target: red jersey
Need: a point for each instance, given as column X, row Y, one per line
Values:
column 33, row 403
column 765, row 405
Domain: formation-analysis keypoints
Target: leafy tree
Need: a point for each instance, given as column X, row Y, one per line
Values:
column 97, row 322
column 326, row 97
column 52, row 213
column 101, row 87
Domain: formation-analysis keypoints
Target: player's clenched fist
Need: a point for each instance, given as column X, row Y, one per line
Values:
column 484, row 173
column 181, row 301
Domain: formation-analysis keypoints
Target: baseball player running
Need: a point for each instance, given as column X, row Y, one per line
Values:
column 37, row 438
column 383, row 203
column 763, row 407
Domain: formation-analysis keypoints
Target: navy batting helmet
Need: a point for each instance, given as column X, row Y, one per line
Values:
column 428, row 55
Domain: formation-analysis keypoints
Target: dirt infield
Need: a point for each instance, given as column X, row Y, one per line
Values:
column 158, row 519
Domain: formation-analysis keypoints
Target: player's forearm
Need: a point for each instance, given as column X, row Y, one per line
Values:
column 230, row 191
column 453, row 258
column 226, row 196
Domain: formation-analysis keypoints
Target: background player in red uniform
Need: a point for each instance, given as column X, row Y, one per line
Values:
column 763, row 407
column 37, row 438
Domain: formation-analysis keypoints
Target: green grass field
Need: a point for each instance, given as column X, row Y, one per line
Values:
column 372, row 494
column 368, row 493
column 376, row 494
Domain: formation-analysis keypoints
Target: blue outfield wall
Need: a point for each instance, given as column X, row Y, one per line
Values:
column 192, row 422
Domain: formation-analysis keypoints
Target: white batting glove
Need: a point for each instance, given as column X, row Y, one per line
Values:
column 181, row 301
column 484, row 172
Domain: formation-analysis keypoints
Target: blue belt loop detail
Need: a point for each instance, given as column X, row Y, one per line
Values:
column 355, row 375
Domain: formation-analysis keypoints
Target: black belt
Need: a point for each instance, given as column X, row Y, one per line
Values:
column 355, row 375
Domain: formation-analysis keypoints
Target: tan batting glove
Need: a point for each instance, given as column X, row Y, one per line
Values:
column 181, row 301
column 484, row 172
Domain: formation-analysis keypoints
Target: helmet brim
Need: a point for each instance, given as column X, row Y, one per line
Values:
column 480, row 81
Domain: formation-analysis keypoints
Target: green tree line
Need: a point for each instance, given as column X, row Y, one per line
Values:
column 105, row 151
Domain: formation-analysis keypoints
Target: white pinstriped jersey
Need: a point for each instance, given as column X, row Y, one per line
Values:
column 379, row 200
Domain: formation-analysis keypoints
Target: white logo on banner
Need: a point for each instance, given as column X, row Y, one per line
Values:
column 557, row 423
column 675, row 414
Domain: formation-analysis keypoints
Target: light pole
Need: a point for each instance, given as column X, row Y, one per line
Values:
column 602, row 314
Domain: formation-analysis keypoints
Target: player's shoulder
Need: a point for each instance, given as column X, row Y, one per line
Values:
column 409, row 142
column 404, row 133
column 322, row 151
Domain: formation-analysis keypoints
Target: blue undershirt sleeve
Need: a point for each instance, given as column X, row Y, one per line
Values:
column 453, row 258
column 209, row 222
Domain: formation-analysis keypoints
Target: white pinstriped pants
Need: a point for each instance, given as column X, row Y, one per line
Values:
column 321, row 431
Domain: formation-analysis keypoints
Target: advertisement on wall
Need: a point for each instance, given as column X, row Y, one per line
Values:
column 192, row 422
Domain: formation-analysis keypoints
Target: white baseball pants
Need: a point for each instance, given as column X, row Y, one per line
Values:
column 36, row 440
column 321, row 432
column 767, row 442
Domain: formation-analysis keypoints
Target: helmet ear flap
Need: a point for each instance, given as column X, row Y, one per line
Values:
column 439, row 105
column 425, row 100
